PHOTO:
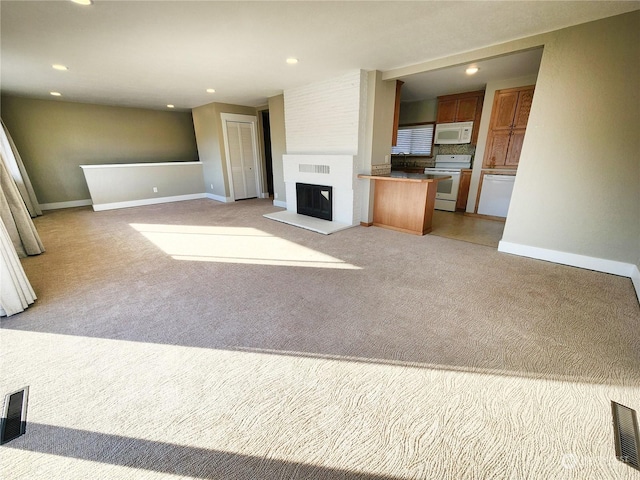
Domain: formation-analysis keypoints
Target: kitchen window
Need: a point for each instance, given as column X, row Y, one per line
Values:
column 414, row 140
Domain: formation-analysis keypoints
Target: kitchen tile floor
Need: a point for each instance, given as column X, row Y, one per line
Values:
column 457, row 226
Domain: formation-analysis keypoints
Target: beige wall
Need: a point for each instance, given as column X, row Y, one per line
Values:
column 381, row 96
column 56, row 137
column 210, row 140
column 112, row 184
column 578, row 183
column 205, row 122
column 380, row 112
column 278, row 147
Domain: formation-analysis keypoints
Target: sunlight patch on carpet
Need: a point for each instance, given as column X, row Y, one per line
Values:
column 227, row 409
column 243, row 245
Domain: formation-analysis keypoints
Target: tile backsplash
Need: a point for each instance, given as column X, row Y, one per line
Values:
column 464, row 149
column 381, row 169
column 399, row 161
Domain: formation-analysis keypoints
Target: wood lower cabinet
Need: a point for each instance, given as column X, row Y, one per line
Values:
column 463, row 189
column 507, row 127
column 462, row 107
column 404, row 204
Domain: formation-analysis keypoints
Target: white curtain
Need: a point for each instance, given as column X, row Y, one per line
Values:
column 16, row 293
column 16, row 168
column 18, row 202
column 18, row 235
column 15, row 216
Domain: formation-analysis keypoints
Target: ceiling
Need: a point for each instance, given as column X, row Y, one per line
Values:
column 153, row 53
column 444, row 81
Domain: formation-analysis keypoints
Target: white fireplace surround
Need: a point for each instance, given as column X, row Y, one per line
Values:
column 336, row 171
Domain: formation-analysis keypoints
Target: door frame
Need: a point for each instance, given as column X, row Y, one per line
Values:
column 253, row 120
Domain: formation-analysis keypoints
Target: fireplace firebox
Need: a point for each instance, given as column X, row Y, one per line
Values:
column 314, row 200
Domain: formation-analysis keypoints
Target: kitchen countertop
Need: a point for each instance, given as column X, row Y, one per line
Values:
column 407, row 177
column 499, row 171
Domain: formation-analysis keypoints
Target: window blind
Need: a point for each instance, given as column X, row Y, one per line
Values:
column 414, row 140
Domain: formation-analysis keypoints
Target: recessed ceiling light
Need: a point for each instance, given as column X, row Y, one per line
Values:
column 292, row 61
column 56, row 94
column 171, row 106
column 83, row 2
column 57, row 66
column 471, row 70
column 211, row 90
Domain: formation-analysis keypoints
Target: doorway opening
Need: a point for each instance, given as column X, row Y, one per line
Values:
column 266, row 141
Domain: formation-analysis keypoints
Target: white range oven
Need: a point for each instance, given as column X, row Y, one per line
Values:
column 447, row 193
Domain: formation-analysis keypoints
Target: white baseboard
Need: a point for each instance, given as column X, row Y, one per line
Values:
column 147, row 201
column 280, row 203
column 219, row 198
column 71, row 204
column 572, row 259
column 635, row 278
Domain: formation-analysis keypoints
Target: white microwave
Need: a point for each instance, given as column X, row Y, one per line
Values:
column 453, row 133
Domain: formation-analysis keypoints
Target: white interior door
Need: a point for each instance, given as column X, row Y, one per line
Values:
column 242, row 158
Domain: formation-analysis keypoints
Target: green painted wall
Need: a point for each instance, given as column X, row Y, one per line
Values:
column 55, row 137
column 418, row 112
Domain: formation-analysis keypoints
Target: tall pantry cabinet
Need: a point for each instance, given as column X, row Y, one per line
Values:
column 507, row 127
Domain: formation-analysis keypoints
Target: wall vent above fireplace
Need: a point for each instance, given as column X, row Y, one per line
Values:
column 307, row 168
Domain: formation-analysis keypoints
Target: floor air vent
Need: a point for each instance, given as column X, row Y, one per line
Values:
column 14, row 415
column 625, row 425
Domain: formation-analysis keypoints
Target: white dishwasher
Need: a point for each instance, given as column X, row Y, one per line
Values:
column 496, row 195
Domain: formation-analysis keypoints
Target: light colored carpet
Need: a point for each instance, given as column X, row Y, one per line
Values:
column 202, row 340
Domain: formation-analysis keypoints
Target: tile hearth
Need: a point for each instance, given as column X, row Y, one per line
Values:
column 310, row 223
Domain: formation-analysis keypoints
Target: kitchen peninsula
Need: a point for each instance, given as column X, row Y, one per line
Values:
column 404, row 201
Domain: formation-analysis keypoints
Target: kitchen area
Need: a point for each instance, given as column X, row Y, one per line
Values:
column 466, row 123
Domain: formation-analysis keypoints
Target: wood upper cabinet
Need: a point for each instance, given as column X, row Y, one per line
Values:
column 507, row 127
column 447, row 111
column 467, row 108
column 504, row 109
column 462, row 107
